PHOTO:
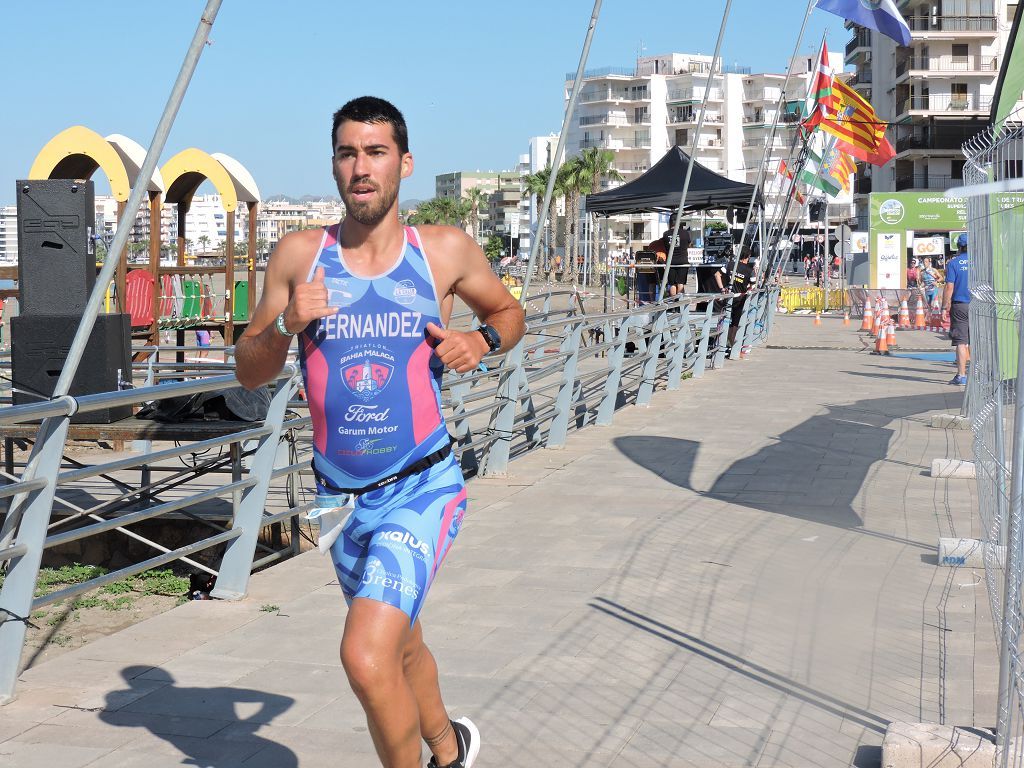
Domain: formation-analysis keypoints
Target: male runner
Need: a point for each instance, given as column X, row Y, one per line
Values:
column 370, row 301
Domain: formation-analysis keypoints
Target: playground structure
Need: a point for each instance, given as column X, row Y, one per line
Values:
column 158, row 297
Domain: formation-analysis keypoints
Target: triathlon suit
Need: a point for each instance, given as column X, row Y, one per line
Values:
column 374, row 391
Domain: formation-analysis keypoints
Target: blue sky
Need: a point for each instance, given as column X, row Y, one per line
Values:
column 474, row 79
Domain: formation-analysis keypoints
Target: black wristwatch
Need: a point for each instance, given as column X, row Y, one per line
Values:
column 491, row 337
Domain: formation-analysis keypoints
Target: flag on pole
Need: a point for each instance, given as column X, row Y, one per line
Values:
column 816, row 174
column 822, row 100
column 854, row 123
column 788, row 174
column 879, row 15
column 840, row 166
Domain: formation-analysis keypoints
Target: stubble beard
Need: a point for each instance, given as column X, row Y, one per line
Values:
column 373, row 211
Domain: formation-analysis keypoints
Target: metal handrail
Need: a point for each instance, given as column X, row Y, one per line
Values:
column 528, row 398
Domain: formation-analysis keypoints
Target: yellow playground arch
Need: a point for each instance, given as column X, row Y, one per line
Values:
column 156, row 303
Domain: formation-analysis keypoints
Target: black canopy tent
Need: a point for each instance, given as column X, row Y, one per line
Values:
column 660, row 188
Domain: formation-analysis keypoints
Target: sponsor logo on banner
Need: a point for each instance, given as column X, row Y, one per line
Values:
column 929, row 246
column 891, row 211
column 889, row 264
column 859, row 242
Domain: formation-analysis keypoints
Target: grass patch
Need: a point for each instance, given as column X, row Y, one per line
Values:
column 270, row 608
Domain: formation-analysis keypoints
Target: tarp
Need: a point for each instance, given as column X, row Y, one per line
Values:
column 659, row 189
column 1010, row 85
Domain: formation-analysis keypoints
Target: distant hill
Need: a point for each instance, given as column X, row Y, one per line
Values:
column 303, row 199
column 406, row 205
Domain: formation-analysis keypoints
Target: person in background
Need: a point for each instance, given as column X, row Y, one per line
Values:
column 203, row 340
column 913, row 273
column 928, row 277
column 956, row 298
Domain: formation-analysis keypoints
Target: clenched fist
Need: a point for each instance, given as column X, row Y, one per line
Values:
column 460, row 351
column 308, row 303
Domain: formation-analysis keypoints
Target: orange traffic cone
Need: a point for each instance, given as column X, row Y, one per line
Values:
column 869, row 317
column 904, row 314
column 846, row 317
column 817, row 318
column 890, row 335
column 919, row 322
column 882, row 344
column 879, row 322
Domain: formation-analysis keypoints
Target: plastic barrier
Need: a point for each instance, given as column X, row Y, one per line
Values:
column 811, row 298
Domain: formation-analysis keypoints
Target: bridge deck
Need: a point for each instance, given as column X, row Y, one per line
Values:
column 742, row 574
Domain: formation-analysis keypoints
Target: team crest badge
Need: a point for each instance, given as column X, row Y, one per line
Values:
column 366, row 379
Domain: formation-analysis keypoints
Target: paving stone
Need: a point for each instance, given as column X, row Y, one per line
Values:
column 672, row 590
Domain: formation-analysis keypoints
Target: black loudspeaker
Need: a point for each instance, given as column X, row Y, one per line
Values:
column 40, row 345
column 816, row 210
column 56, row 256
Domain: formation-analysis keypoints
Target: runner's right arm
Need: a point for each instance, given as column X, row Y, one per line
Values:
column 261, row 351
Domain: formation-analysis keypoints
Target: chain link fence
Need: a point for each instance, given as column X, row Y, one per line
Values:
column 996, row 232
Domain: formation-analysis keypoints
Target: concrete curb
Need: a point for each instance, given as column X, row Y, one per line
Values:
column 950, row 421
column 969, row 553
column 927, row 745
column 955, row 469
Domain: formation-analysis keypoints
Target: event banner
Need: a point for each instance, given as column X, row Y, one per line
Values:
column 889, row 261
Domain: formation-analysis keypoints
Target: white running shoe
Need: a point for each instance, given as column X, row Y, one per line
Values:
column 468, row 739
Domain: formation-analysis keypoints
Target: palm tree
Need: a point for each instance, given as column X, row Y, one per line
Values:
column 572, row 182
column 597, row 165
column 203, row 241
column 537, row 184
column 474, row 196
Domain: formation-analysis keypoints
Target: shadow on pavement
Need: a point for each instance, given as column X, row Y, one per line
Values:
column 787, row 477
column 741, row 666
column 185, row 717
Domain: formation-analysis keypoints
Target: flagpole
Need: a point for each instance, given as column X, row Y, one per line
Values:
column 766, row 154
column 801, row 161
column 693, row 149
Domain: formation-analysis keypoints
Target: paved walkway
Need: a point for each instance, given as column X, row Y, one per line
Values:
column 742, row 574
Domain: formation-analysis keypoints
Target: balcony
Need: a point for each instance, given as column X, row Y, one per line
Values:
column 923, row 25
column 861, row 42
column 605, row 144
column 613, row 121
column 926, row 181
column 946, row 103
column 862, row 77
column 862, row 185
column 936, row 138
column 694, row 94
column 947, row 65
column 692, row 116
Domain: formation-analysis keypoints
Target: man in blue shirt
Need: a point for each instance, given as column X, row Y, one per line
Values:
column 956, row 298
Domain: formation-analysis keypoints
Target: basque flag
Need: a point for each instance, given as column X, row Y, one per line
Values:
column 880, row 15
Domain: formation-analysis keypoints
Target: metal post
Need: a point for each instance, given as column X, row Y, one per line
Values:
column 606, row 409
column 649, row 372
column 233, row 576
column 701, row 363
column 502, row 421
column 682, row 339
column 563, row 400
column 577, row 84
column 693, row 150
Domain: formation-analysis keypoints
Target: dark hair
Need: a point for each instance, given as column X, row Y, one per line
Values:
column 370, row 109
column 745, row 252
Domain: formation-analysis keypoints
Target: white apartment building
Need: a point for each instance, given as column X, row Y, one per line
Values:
column 8, row 236
column 937, row 92
column 640, row 112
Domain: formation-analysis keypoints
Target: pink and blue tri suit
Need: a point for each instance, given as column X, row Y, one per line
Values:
column 374, row 391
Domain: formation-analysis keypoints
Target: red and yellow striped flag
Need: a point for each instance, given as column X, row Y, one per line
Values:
column 856, row 126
